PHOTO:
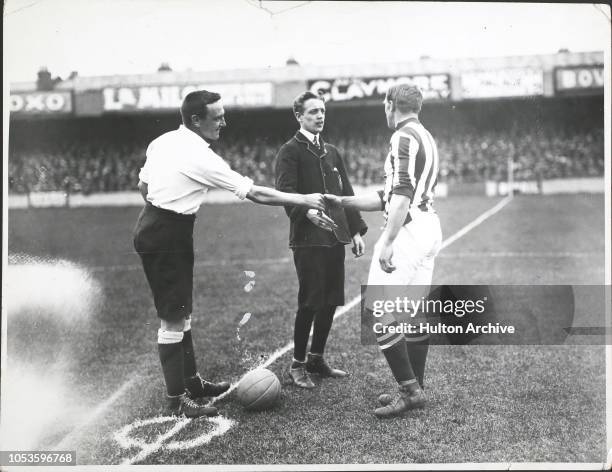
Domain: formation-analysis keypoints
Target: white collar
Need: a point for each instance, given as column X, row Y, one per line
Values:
column 187, row 132
column 311, row 137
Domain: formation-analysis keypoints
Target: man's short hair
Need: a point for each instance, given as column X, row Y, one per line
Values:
column 407, row 98
column 195, row 104
column 298, row 103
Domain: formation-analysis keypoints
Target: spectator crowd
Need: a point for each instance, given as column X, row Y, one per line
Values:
column 104, row 165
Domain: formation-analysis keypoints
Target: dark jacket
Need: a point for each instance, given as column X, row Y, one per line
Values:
column 301, row 167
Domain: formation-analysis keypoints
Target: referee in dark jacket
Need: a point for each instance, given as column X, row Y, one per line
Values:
column 306, row 164
column 179, row 170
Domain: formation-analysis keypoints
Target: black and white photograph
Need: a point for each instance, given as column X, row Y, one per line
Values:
column 306, row 235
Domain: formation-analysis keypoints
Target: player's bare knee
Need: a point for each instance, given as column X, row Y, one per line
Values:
column 172, row 325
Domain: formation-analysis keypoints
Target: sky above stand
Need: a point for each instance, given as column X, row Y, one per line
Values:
column 115, row 37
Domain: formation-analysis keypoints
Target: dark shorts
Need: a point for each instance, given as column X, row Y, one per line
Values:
column 164, row 241
column 320, row 272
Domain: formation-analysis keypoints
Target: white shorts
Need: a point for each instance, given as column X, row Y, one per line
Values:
column 414, row 252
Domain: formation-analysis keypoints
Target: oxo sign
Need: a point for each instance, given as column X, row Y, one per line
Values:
column 40, row 103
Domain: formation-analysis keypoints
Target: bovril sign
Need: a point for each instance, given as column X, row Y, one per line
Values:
column 579, row 78
column 31, row 103
column 434, row 87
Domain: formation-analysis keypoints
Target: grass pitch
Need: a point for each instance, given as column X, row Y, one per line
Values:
column 487, row 403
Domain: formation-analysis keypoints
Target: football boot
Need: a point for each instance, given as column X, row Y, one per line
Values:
column 300, row 377
column 317, row 365
column 401, row 402
column 183, row 405
column 197, row 387
column 385, row 398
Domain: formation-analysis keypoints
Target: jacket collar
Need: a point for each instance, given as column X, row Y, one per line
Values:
column 311, row 137
column 299, row 137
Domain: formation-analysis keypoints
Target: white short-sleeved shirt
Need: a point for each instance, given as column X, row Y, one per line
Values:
column 181, row 168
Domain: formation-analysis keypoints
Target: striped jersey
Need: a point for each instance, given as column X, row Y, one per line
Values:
column 411, row 166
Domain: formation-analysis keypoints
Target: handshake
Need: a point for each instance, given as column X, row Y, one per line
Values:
column 318, row 203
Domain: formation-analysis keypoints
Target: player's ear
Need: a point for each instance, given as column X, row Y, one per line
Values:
column 195, row 121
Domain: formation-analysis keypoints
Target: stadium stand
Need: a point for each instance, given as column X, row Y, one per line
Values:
column 103, row 165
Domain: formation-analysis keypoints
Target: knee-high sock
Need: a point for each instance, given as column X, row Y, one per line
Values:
column 301, row 333
column 170, row 347
column 393, row 346
column 322, row 325
column 417, row 352
column 189, row 354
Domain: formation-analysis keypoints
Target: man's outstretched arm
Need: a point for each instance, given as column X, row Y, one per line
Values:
column 367, row 202
column 216, row 173
column 269, row 196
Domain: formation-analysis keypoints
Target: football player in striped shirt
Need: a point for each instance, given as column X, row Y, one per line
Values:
column 404, row 254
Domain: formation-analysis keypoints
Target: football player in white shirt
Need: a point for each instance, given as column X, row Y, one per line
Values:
column 179, row 170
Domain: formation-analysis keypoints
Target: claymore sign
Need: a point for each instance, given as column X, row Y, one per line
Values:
column 434, row 87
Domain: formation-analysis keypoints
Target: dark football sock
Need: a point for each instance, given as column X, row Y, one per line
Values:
column 410, row 386
column 399, row 362
column 393, row 347
column 417, row 352
column 322, row 325
column 189, row 355
column 301, row 333
column 170, row 347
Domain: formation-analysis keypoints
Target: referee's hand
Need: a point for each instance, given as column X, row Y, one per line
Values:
column 314, row 200
column 321, row 220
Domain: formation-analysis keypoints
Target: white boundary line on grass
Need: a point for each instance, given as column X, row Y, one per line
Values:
column 478, row 220
column 97, row 412
column 122, row 436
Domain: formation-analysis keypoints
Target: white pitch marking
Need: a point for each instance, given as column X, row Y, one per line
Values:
column 126, row 441
column 97, row 412
column 223, row 426
column 477, row 221
column 154, row 447
column 149, row 448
